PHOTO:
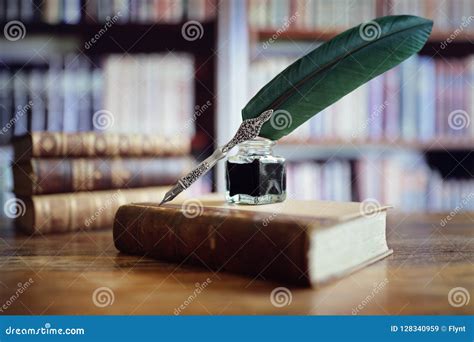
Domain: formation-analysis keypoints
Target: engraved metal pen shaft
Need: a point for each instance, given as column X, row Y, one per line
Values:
column 248, row 129
column 186, row 181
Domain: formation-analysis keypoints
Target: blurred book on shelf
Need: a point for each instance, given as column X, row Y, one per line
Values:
column 151, row 93
column 407, row 182
column 336, row 15
column 148, row 94
column 309, row 14
column 60, row 95
column 92, row 145
column 404, row 181
column 48, row 176
column 110, row 11
column 329, row 180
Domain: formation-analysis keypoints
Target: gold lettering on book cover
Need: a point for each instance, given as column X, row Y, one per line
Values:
column 47, row 143
column 120, row 174
column 124, row 145
column 100, row 145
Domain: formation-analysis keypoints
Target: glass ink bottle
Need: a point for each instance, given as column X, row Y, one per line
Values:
column 254, row 175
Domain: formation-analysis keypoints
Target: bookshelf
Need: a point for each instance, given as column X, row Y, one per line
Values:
column 50, row 44
column 434, row 145
column 134, row 38
column 276, row 35
column 323, row 35
column 231, row 44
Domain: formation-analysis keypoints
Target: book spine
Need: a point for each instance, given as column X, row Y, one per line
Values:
column 229, row 242
column 84, row 210
column 89, row 144
column 49, row 176
column 6, row 108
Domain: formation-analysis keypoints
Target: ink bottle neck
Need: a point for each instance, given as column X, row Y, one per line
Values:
column 256, row 147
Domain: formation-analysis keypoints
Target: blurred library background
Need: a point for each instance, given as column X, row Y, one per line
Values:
column 181, row 71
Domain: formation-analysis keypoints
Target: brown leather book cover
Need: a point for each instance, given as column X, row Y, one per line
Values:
column 61, row 213
column 264, row 242
column 94, row 144
column 54, row 175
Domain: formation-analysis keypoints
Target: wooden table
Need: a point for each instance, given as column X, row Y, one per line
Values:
column 428, row 262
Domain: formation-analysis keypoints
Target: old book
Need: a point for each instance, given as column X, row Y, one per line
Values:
column 298, row 242
column 54, row 175
column 92, row 144
column 61, row 213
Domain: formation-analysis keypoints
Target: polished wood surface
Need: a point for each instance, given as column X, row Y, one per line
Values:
column 430, row 259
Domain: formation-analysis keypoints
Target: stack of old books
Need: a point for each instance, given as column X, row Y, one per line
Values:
column 74, row 181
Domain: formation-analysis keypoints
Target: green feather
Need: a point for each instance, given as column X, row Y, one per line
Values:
column 334, row 69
